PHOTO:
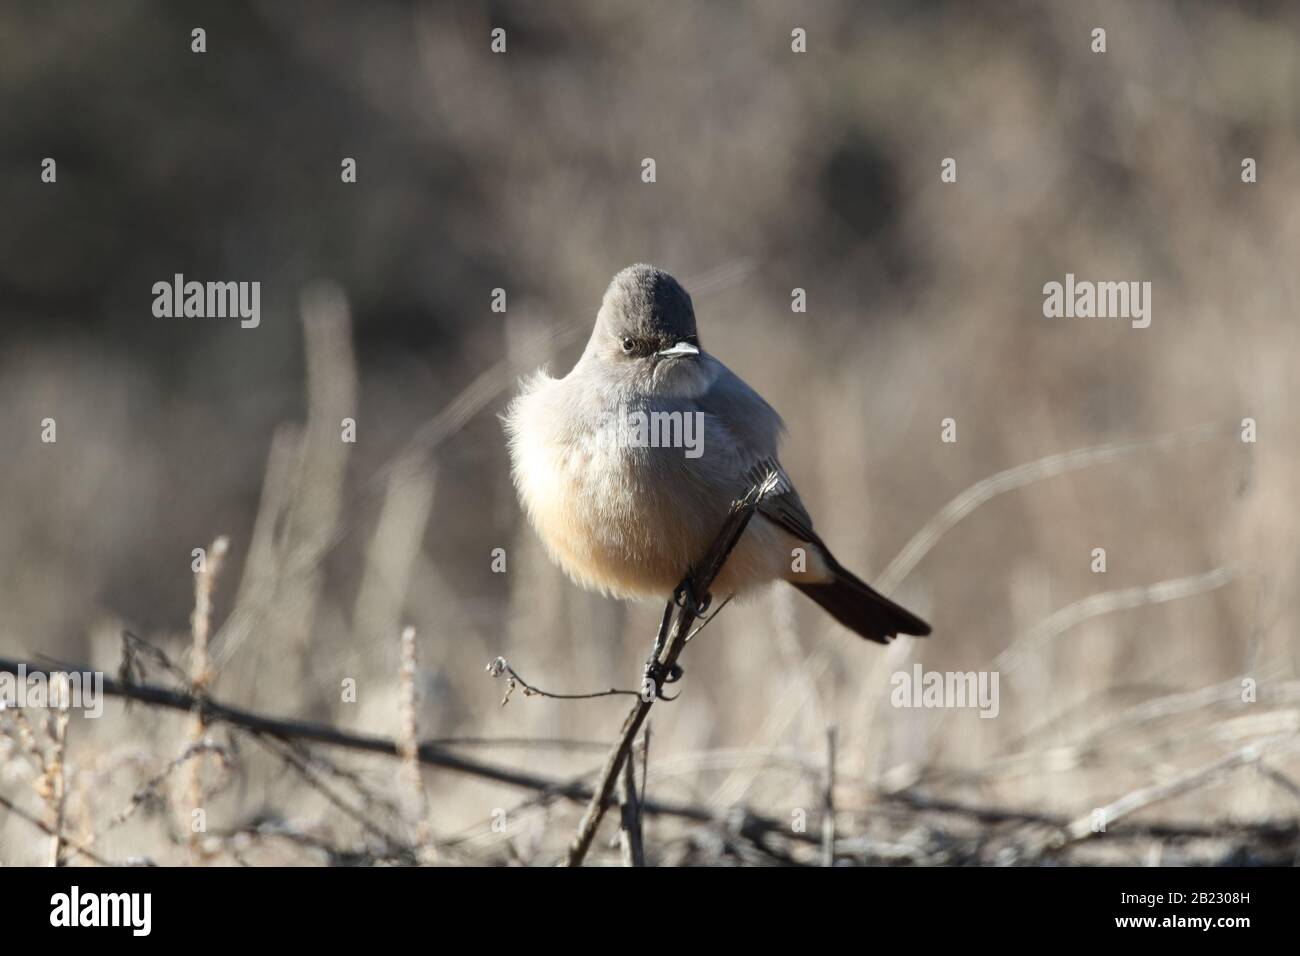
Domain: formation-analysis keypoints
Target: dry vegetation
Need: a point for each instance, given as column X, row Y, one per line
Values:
column 1120, row 690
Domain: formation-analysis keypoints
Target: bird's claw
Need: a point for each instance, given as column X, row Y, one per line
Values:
column 685, row 592
column 656, row 676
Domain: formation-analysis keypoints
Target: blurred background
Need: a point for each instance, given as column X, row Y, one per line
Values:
column 775, row 170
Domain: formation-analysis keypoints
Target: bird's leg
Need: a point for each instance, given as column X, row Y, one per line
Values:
column 683, row 597
column 652, row 666
column 686, row 592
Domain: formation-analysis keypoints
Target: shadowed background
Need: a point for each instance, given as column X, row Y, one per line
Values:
column 775, row 170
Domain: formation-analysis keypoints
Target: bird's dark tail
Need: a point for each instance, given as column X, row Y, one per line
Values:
column 861, row 609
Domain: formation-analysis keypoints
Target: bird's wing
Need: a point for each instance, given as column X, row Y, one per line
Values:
column 757, row 429
column 782, row 506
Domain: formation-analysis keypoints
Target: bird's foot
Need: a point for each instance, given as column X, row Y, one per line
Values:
column 684, row 595
column 656, row 676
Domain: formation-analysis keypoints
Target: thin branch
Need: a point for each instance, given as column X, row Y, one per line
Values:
column 828, row 802
column 410, row 747
column 645, row 761
column 1096, row 604
column 151, row 787
column 500, row 666
column 712, row 614
column 695, row 587
column 998, row 815
column 45, row 828
column 55, row 781
column 630, row 819
column 205, row 582
column 335, row 855
column 397, row 848
column 431, row 753
column 1279, row 778
column 519, row 743
column 1017, row 477
column 1082, row 827
column 150, row 790
column 135, row 647
column 305, row 760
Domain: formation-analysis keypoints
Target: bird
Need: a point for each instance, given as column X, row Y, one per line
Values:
column 629, row 515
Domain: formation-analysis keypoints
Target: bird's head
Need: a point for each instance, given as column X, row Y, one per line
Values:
column 645, row 335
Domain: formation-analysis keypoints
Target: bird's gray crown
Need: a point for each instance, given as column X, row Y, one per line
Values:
column 647, row 301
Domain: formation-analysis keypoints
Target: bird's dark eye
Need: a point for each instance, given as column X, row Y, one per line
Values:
column 628, row 344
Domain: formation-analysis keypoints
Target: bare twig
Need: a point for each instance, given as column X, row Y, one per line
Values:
column 335, row 855
column 672, row 636
column 150, row 790
column 151, row 787
column 1279, row 778
column 828, row 802
column 135, row 647
column 200, row 677
column 1017, row 477
column 1083, row 827
column 645, row 760
column 397, row 848
column 410, row 747
column 518, row 743
column 1107, row 601
column 500, row 665
column 431, row 753
column 1000, row 815
column 264, row 560
column 630, row 819
column 712, row 614
column 205, row 580
column 56, row 777
column 47, row 829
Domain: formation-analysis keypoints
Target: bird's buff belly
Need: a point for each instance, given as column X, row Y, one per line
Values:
column 621, row 533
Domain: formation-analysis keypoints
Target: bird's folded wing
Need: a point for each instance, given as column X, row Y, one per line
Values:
column 754, row 429
column 782, row 505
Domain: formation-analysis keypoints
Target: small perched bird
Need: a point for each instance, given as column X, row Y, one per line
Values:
column 629, row 464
